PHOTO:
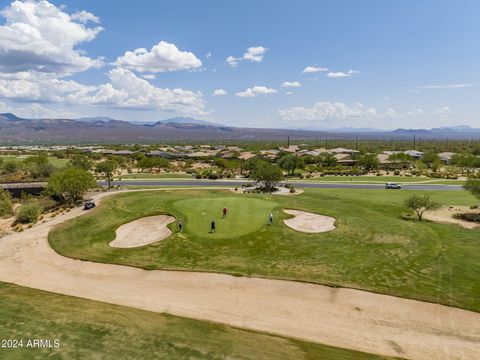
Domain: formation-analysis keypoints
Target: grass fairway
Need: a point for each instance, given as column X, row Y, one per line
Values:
column 94, row 330
column 58, row 163
column 245, row 216
column 373, row 248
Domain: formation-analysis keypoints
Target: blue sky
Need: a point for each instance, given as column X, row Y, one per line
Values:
column 312, row 64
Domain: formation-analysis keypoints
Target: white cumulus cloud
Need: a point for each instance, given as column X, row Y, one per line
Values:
column 294, row 84
column 39, row 36
column 84, row 17
column 256, row 90
column 232, row 61
column 325, row 110
column 163, row 57
column 341, row 74
column 37, row 111
column 219, row 92
column 314, row 69
column 254, row 53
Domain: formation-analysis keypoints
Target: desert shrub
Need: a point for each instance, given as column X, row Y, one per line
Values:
column 472, row 217
column 396, row 172
column 292, row 189
column 6, row 205
column 28, row 213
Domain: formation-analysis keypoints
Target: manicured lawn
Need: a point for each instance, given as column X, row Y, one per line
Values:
column 373, row 248
column 58, row 163
column 245, row 216
column 94, row 330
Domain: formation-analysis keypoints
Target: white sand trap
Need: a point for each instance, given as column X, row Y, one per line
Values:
column 143, row 231
column 309, row 222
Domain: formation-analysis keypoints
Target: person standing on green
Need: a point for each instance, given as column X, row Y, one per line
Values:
column 212, row 226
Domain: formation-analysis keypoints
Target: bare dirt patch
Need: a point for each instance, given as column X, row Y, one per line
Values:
column 143, row 231
column 445, row 215
column 309, row 222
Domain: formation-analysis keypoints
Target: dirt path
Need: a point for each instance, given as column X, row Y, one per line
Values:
column 340, row 317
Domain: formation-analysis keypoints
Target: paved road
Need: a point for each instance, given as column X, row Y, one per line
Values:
column 297, row 184
column 239, row 183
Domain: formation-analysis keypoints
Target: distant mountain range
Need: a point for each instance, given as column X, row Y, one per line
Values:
column 16, row 131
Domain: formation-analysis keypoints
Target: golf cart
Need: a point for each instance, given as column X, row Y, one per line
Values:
column 391, row 185
column 89, row 204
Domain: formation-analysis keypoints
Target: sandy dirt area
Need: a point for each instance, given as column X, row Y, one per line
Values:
column 309, row 222
column 143, row 231
column 340, row 317
column 445, row 215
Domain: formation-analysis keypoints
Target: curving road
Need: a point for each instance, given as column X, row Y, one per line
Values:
column 298, row 184
column 347, row 318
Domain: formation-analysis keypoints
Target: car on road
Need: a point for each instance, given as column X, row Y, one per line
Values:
column 391, row 185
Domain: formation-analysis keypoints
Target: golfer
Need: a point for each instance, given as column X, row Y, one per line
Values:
column 225, row 212
column 180, row 225
column 270, row 219
column 212, row 226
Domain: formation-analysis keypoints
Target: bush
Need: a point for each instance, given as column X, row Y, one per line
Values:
column 472, row 217
column 292, row 189
column 6, row 205
column 28, row 213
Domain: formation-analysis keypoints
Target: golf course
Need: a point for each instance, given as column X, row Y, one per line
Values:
column 253, row 283
column 372, row 248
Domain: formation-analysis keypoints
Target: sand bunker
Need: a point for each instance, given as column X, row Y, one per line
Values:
column 143, row 231
column 445, row 215
column 309, row 222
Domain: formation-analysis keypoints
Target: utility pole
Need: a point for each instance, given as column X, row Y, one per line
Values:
column 326, row 141
column 356, row 142
column 414, row 140
column 288, row 142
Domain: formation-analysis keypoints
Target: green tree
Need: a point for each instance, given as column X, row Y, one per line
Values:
column 251, row 164
column 28, row 213
column 290, row 163
column 267, row 176
column 473, row 185
column 420, row 203
column 81, row 162
column 6, row 205
column 70, row 184
column 368, row 161
column 326, row 159
column 106, row 168
column 429, row 158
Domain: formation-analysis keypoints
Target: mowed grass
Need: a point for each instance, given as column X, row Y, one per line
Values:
column 58, row 163
column 245, row 215
column 94, row 330
column 373, row 247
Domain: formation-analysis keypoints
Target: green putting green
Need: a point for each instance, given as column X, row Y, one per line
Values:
column 245, row 215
